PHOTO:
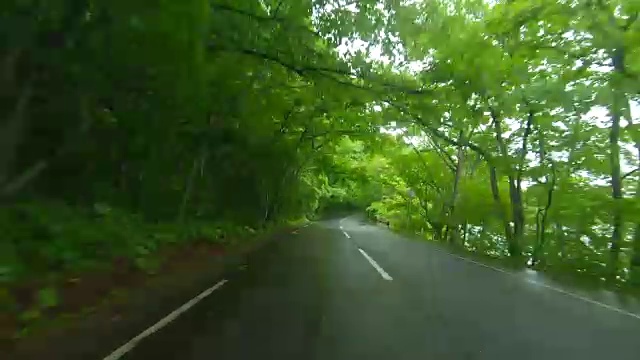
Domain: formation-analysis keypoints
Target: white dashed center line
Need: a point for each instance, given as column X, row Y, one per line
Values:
column 376, row 266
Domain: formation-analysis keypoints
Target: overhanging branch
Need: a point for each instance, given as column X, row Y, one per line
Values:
column 629, row 173
column 341, row 76
column 263, row 18
column 440, row 135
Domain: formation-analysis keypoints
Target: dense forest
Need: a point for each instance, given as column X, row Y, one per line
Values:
column 507, row 128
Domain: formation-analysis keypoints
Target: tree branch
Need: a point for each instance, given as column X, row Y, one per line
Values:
column 263, row 18
column 437, row 133
column 629, row 173
column 448, row 160
column 326, row 72
column 432, row 184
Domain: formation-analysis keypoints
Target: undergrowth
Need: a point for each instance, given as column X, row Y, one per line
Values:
column 45, row 244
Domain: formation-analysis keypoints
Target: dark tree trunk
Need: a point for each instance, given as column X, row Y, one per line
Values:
column 495, row 192
column 452, row 228
column 12, row 129
column 635, row 257
column 616, row 178
column 559, row 233
column 515, row 191
column 541, row 221
column 543, row 211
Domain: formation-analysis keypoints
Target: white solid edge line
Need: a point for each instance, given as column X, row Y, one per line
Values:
column 553, row 288
column 481, row 264
column 345, row 234
column 122, row 350
column 376, row 266
column 586, row 299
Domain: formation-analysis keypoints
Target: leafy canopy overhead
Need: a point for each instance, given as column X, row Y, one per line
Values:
column 510, row 126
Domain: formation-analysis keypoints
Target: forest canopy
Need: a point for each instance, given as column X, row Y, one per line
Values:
column 508, row 128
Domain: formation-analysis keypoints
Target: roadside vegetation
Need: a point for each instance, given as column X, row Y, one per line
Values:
column 129, row 130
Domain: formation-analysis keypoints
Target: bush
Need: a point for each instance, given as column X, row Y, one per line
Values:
column 42, row 240
column 48, row 238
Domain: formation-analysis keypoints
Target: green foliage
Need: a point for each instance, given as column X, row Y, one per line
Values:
column 52, row 238
column 126, row 128
column 47, row 297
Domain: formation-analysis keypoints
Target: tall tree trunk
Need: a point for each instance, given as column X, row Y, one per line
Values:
column 517, row 202
column 199, row 164
column 452, row 229
column 186, row 195
column 543, row 210
column 541, row 220
column 635, row 257
column 11, row 186
column 614, row 159
column 12, row 130
column 495, row 192
column 515, row 196
column 559, row 233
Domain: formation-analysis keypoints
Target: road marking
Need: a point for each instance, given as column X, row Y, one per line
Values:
column 585, row 299
column 345, row 234
column 553, row 288
column 376, row 266
column 122, row 350
column 481, row 264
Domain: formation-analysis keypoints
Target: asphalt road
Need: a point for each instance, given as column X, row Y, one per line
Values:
column 315, row 294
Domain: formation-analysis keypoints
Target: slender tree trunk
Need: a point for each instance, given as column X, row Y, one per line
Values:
column 465, row 229
column 616, row 194
column 616, row 178
column 274, row 199
column 495, row 192
column 543, row 210
column 635, row 257
column 199, row 163
column 517, row 210
column 454, row 194
column 267, row 206
column 515, row 196
column 186, row 195
column 559, row 233
column 13, row 185
column 515, row 186
column 12, row 130
column 541, row 220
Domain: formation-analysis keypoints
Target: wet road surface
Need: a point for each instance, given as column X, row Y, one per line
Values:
column 322, row 293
